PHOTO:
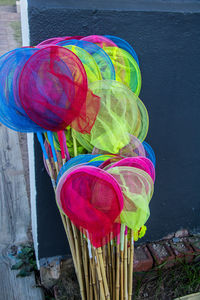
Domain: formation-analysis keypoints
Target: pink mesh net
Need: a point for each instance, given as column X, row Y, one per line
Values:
column 141, row 163
column 51, row 41
column 93, row 200
column 99, row 40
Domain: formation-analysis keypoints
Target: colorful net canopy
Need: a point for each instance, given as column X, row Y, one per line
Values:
column 84, row 92
column 93, row 200
column 54, row 92
column 121, row 113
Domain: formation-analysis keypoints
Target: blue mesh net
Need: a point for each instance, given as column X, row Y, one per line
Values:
column 80, row 159
column 12, row 113
column 149, row 152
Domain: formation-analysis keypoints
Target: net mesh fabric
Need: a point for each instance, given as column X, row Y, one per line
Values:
column 137, row 189
column 149, row 152
column 51, row 41
column 132, row 149
column 150, row 166
column 91, row 67
column 74, row 161
column 86, row 119
column 143, row 121
column 57, row 40
column 121, row 43
column 53, row 90
column 117, row 117
column 102, row 157
column 92, row 199
column 126, row 68
column 99, row 40
column 141, row 163
column 110, row 161
column 100, row 56
column 12, row 113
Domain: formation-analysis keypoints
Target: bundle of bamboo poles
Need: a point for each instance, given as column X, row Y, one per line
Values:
column 105, row 272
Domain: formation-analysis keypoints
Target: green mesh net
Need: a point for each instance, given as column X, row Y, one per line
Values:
column 121, row 113
column 137, row 187
column 126, row 68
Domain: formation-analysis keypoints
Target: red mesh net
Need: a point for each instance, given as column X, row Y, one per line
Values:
column 93, row 200
column 53, row 90
column 87, row 116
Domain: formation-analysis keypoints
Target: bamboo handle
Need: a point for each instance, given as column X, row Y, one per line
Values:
column 125, row 268
column 99, row 276
column 113, row 270
column 57, row 169
column 85, row 264
column 117, row 272
column 105, row 283
column 68, row 230
column 109, row 267
column 90, row 285
column 122, row 274
column 93, row 278
column 79, row 269
column 130, row 286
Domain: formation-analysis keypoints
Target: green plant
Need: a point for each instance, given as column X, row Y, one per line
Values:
column 26, row 262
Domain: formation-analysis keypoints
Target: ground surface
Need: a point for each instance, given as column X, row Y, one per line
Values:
column 157, row 284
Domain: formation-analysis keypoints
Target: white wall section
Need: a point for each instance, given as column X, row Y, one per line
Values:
column 30, row 136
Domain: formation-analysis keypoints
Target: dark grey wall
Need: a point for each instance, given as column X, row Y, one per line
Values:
column 166, row 36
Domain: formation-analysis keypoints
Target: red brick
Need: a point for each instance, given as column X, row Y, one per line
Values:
column 195, row 243
column 182, row 249
column 162, row 253
column 143, row 260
